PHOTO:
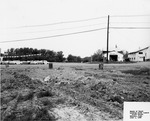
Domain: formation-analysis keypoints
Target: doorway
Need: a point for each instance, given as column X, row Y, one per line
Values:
column 113, row 57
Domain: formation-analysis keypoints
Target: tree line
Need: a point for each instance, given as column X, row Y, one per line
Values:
column 39, row 54
column 50, row 55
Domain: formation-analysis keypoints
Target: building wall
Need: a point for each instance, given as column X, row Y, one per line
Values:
column 136, row 56
column 120, row 56
column 147, row 56
column 132, row 57
column 140, row 55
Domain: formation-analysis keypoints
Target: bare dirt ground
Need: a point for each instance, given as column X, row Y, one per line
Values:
column 71, row 92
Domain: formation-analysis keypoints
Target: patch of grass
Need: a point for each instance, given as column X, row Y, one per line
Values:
column 11, row 117
column 117, row 98
column 7, row 96
column 43, row 115
column 25, row 97
column 47, row 102
column 142, row 71
column 60, row 101
column 31, row 115
column 7, row 84
column 45, row 94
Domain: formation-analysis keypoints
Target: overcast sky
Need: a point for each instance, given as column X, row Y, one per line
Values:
column 20, row 19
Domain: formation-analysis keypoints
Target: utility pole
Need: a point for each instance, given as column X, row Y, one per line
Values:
column 107, row 38
column 1, row 58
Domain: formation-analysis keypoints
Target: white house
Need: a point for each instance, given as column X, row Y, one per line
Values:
column 140, row 55
column 114, row 55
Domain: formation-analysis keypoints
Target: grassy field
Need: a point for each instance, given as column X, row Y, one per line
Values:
column 71, row 91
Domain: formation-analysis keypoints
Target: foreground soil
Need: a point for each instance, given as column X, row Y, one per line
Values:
column 71, row 92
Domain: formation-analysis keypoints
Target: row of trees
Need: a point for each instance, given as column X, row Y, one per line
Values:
column 52, row 56
column 48, row 55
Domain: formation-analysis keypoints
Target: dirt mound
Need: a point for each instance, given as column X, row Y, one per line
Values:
column 19, row 82
column 24, row 99
column 30, row 105
column 71, row 93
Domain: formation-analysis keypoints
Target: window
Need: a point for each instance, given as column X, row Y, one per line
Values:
column 140, row 52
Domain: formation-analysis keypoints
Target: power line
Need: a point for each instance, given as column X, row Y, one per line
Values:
column 79, row 32
column 58, row 35
column 63, row 28
column 75, row 21
column 130, row 27
column 63, row 22
column 129, row 22
column 130, row 15
column 82, row 27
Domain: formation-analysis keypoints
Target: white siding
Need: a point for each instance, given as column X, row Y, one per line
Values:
column 132, row 57
column 147, row 55
column 120, row 56
column 140, row 55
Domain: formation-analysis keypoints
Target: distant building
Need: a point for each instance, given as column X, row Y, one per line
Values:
column 1, row 58
column 114, row 55
column 140, row 55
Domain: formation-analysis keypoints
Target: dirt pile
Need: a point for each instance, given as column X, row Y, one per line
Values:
column 19, row 82
column 24, row 99
column 71, row 93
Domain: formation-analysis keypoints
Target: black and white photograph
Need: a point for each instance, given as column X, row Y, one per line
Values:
column 75, row 60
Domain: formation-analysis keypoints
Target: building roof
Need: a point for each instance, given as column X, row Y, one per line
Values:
column 139, row 50
column 104, row 52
